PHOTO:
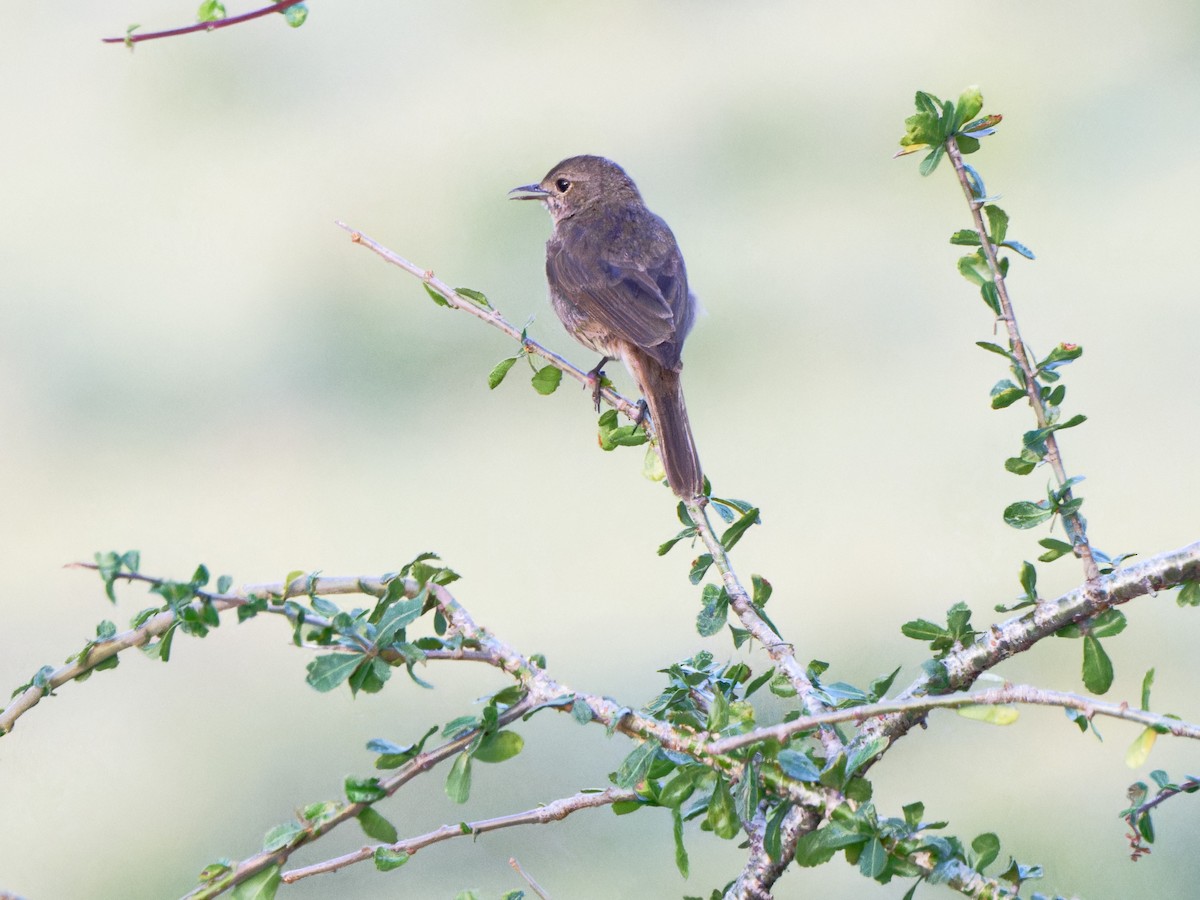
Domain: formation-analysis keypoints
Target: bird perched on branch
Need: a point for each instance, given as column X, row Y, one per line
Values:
column 619, row 285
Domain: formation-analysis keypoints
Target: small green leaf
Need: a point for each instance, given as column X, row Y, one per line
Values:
column 992, row 715
column 715, row 612
column 499, row 746
column 974, row 270
column 364, row 790
column 637, row 764
column 458, row 782
column 326, row 672
column 798, row 766
column 546, row 380
column 437, row 298
column 282, row 836
column 970, row 102
column 475, row 297
column 1147, row 683
column 1097, row 667
column 734, row 532
column 210, row 11
column 376, row 826
column 922, row 630
column 1018, row 247
column 721, row 816
column 1054, row 549
column 965, row 237
column 1005, row 393
column 997, row 223
column 681, row 856
column 872, row 862
column 1189, row 594
column 387, row 859
column 260, row 886
column 1026, row 514
column 930, row 162
column 987, row 848
column 296, row 15
column 1139, row 750
column 501, row 369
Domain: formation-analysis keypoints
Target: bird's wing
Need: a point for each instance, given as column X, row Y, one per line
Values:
column 642, row 300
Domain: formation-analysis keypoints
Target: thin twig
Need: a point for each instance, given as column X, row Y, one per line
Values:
column 540, row 815
column 203, row 26
column 1009, row 694
column 533, row 885
column 1072, row 521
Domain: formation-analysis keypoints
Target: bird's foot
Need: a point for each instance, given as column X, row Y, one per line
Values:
column 596, row 380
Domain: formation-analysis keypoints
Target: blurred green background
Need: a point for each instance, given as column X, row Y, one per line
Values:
column 196, row 363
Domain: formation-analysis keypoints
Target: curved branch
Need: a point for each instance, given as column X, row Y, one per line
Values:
column 540, row 815
column 963, row 666
column 131, row 38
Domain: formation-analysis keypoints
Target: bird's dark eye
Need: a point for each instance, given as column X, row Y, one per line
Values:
column 562, row 184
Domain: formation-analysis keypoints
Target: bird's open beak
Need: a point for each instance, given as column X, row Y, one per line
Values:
column 528, row 192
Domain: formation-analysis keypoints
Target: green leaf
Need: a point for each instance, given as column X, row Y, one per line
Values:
column 499, row 746
column 1005, row 393
column 922, row 630
column 1189, row 594
column 296, row 15
column 458, row 782
column 501, row 369
column 210, row 11
column 1026, row 514
column 773, row 835
column 992, row 715
column 997, row 349
column 546, row 380
column 364, row 790
column 997, row 223
column 261, row 886
column 1147, row 683
column 387, row 859
column 699, row 567
column 872, row 862
column 1018, row 247
column 1029, row 580
column 681, row 856
column 975, row 270
column 1054, row 549
column 399, row 615
column 376, row 826
column 475, row 297
column 282, row 836
column 930, row 162
column 970, row 102
column 721, row 816
column 437, row 298
column 637, row 764
column 715, row 612
column 1097, row 667
column 734, row 532
column 798, row 766
column 326, row 672
column 965, row 237
column 1139, row 750
column 987, row 848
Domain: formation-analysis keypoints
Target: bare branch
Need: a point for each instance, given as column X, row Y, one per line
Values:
column 132, row 38
column 540, row 815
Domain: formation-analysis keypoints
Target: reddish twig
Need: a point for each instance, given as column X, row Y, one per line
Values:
column 203, row 26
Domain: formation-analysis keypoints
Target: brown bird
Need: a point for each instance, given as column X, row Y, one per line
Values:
column 618, row 283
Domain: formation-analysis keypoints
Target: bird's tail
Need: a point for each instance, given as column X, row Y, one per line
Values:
column 664, row 396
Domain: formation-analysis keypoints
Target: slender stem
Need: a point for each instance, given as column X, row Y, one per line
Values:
column 1010, row 694
column 781, row 652
column 1073, row 522
column 203, row 26
column 540, row 815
